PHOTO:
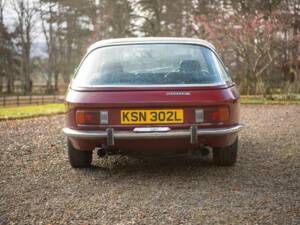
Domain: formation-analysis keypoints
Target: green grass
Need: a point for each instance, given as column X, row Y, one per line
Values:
column 262, row 101
column 30, row 111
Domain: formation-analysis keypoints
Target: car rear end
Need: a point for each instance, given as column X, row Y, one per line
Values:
column 158, row 109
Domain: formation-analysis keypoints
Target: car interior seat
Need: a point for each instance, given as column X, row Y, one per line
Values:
column 111, row 72
column 189, row 66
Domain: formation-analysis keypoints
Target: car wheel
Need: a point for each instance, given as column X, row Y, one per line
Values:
column 226, row 156
column 79, row 159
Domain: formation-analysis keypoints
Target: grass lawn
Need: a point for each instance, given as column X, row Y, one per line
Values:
column 30, row 111
column 262, row 101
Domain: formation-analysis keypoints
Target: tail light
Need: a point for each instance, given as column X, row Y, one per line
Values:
column 91, row 117
column 217, row 114
column 212, row 114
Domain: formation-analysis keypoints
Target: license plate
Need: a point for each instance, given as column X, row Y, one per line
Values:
column 149, row 116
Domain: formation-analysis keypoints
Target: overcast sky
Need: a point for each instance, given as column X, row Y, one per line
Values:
column 10, row 20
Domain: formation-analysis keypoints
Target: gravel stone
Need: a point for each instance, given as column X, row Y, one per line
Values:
column 38, row 186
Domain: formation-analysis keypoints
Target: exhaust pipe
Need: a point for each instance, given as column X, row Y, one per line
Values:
column 205, row 150
column 101, row 152
column 200, row 151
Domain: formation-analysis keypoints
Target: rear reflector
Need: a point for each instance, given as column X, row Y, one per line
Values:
column 103, row 117
column 199, row 115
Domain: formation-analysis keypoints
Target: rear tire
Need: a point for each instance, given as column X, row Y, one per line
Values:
column 226, row 156
column 79, row 159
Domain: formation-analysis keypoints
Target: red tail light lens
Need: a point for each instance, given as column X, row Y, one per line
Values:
column 217, row 114
column 87, row 117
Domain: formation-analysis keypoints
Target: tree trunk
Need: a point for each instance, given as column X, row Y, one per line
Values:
column 56, row 81
column 1, row 84
column 10, row 85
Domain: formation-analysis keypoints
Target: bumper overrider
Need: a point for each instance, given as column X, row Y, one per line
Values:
column 111, row 135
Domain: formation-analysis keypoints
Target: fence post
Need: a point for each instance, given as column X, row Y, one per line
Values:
column 18, row 100
column 53, row 98
column 42, row 99
column 30, row 99
column 4, row 103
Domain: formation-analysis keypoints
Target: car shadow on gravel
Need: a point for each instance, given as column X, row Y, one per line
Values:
column 186, row 166
column 127, row 166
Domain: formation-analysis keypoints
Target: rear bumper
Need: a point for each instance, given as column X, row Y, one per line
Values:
column 111, row 135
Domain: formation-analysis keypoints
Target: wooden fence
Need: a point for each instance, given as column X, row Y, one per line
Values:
column 18, row 100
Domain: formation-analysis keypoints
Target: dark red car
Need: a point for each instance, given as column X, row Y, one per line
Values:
column 152, row 96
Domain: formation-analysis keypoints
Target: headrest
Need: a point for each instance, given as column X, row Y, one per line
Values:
column 112, row 67
column 190, row 66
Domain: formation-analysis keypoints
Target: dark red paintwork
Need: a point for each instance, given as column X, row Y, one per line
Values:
column 115, row 99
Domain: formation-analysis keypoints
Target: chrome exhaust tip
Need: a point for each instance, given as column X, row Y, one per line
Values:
column 101, row 152
column 205, row 151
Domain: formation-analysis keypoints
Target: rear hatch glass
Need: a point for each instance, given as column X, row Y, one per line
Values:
column 151, row 65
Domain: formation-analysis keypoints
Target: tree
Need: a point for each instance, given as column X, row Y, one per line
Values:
column 66, row 27
column 7, row 52
column 25, row 11
column 250, row 37
column 74, row 30
column 113, row 19
column 50, row 26
column 165, row 18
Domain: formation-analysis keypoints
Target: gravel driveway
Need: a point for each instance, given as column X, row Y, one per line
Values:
column 37, row 185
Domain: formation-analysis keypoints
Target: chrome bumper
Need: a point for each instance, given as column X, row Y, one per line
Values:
column 110, row 134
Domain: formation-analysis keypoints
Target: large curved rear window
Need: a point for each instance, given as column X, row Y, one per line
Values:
column 151, row 64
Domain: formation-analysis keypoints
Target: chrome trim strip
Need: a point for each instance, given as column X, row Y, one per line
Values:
column 130, row 135
column 157, row 40
column 150, row 85
column 151, row 129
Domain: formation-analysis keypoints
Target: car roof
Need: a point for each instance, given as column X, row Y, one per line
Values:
column 150, row 40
